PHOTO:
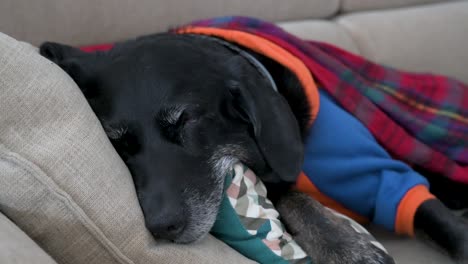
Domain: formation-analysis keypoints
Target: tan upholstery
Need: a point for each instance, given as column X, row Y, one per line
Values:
column 411, row 251
column 431, row 38
column 16, row 247
column 63, row 183
column 322, row 31
column 360, row 5
column 95, row 21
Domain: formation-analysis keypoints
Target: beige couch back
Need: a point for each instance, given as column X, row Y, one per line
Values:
column 95, row 21
column 81, row 22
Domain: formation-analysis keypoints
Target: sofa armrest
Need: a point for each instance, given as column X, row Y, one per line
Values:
column 17, row 247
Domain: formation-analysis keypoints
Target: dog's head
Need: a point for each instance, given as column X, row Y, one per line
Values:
column 180, row 110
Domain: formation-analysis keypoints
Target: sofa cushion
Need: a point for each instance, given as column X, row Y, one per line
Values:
column 321, row 30
column 17, row 247
column 360, row 5
column 405, row 250
column 89, row 22
column 432, row 38
column 62, row 182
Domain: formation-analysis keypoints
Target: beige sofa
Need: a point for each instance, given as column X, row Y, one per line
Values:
column 417, row 35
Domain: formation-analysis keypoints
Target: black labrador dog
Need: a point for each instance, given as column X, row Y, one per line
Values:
column 182, row 109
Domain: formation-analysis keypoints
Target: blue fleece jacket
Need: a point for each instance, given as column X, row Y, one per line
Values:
column 346, row 163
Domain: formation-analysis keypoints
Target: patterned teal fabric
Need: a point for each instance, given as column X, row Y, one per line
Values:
column 248, row 222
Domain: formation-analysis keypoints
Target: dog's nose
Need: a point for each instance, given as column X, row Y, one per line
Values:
column 169, row 226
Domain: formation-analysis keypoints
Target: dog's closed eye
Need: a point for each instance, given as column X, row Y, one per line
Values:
column 170, row 116
column 115, row 133
column 124, row 141
column 172, row 121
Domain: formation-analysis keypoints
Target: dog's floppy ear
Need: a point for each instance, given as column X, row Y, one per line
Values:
column 58, row 53
column 275, row 128
column 74, row 62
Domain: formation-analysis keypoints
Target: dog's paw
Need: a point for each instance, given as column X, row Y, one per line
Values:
column 465, row 215
column 350, row 249
column 461, row 252
column 362, row 252
column 327, row 237
column 458, row 246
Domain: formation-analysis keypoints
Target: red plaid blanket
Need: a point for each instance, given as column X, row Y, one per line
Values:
column 421, row 119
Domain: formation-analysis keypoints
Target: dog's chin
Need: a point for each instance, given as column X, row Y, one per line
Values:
column 192, row 237
column 203, row 208
column 196, row 230
column 202, row 213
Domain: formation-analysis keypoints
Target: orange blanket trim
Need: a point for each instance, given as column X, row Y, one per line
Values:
column 271, row 50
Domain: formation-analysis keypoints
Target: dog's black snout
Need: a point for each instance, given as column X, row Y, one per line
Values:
column 168, row 226
column 170, row 231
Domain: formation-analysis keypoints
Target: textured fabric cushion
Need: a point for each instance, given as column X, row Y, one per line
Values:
column 425, row 39
column 89, row 22
column 359, row 5
column 411, row 251
column 321, row 30
column 17, row 247
column 62, row 182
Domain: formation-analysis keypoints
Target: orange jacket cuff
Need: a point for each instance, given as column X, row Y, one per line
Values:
column 404, row 222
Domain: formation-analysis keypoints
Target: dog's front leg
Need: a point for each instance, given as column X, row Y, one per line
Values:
column 325, row 237
column 444, row 227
